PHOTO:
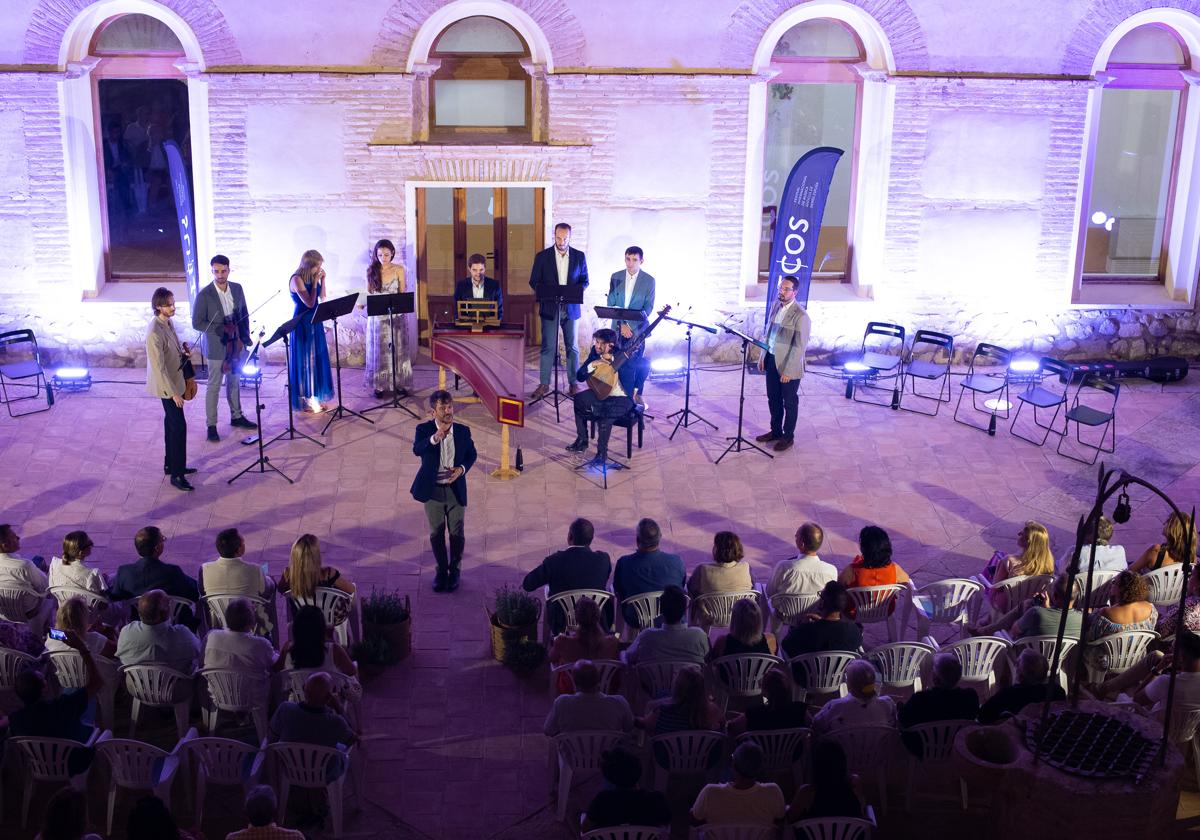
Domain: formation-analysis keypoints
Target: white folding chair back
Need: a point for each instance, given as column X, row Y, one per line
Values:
column 1166, row 585
column 824, row 674
column 610, row 670
column 647, row 607
column 335, row 605
column 96, row 602
column 741, row 674
column 220, row 761
column 216, row 603
column 937, row 746
column 47, row 760
column 158, row 686
column 135, row 765
column 71, row 673
column 231, row 690
column 580, row 752
column 833, row 828
column 12, row 663
column 737, row 832
column 178, row 605
column 899, row 665
column 978, row 656
column 788, row 607
column 347, row 688
column 569, row 598
column 16, row 603
column 626, row 832
column 874, row 604
column 953, row 601
column 1101, row 587
column 688, row 752
column 309, row 766
column 1010, row 592
column 1118, row 652
column 867, row 749
column 714, row 609
column 655, row 678
column 783, row 749
column 1045, row 645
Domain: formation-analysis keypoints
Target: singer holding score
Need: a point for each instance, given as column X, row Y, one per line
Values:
column 447, row 453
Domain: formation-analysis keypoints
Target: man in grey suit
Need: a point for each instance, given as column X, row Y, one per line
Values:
column 632, row 289
column 788, row 330
column 218, row 302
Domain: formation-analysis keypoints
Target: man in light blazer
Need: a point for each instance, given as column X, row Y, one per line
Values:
column 560, row 265
column 164, row 379
column 788, row 330
column 447, row 453
column 217, row 301
column 633, row 289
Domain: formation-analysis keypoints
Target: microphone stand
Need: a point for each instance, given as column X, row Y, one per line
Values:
column 262, row 462
column 738, row 441
column 686, row 415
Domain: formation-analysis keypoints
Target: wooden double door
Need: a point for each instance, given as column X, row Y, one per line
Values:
column 505, row 224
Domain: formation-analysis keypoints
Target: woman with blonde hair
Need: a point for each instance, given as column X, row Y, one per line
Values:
column 1174, row 548
column 305, row 571
column 1035, row 559
column 308, row 356
column 745, row 632
column 69, row 569
column 73, row 614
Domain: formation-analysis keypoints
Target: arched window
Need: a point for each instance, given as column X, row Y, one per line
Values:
column 814, row 100
column 480, row 87
column 1135, row 158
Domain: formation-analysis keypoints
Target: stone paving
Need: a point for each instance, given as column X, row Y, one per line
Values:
column 455, row 740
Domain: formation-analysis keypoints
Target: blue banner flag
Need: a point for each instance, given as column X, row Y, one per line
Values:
column 182, row 191
column 798, row 222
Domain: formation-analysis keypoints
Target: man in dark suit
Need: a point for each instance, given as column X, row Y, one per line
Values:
column 219, row 302
column 561, row 265
column 589, row 405
column 447, row 453
column 479, row 287
column 649, row 569
column 633, row 289
column 149, row 572
column 575, row 567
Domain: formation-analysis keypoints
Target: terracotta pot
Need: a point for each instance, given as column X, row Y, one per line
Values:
column 399, row 636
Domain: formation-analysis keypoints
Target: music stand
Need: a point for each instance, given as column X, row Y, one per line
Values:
column 686, row 415
column 282, row 332
column 391, row 304
column 331, row 310
column 477, row 314
column 262, row 462
column 558, row 295
column 738, row 440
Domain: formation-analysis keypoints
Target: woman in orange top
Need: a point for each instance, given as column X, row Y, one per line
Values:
column 873, row 566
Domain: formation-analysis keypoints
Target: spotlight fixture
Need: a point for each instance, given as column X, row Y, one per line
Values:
column 71, row 379
column 667, row 368
column 1121, row 511
column 855, row 372
column 250, row 375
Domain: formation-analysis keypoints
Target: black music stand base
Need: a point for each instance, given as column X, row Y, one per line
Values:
column 394, row 402
column 737, row 441
column 341, row 412
column 291, row 432
column 686, row 416
column 262, row 462
column 555, row 396
column 603, row 465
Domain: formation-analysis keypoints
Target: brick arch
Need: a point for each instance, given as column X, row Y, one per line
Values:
column 51, row 20
column 1098, row 22
column 405, row 18
column 752, row 18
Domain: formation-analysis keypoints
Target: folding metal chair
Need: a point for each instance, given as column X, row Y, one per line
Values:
column 1083, row 414
column 13, row 374
column 988, row 384
column 881, row 363
column 920, row 366
column 1045, row 398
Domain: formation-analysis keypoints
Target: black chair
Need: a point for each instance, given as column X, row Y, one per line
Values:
column 986, row 384
column 878, row 339
column 930, row 369
column 635, row 418
column 1044, row 395
column 1105, row 391
column 13, row 374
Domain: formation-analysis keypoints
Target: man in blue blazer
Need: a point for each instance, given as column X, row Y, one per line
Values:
column 447, row 453
column 150, row 572
column 478, row 286
column 560, row 265
column 649, row 569
column 633, row 289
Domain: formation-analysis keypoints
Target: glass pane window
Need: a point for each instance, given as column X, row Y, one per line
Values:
column 479, row 35
column 821, row 39
column 135, row 34
column 1149, row 45
column 486, row 102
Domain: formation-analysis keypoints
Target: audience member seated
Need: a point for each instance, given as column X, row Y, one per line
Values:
column 873, row 566
column 229, row 574
column 18, row 573
column 588, row 708
column 832, row 630
column 745, row 800
column 862, row 706
column 1039, row 616
column 155, row 640
column 317, row 719
column 18, row 636
column 674, row 641
column 805, row 573
column 649, row 569
column 150, row 572
column 1168, row 617
column 778, row 710
column 261, row 805
column 622, row 802
column 309, row 646
column 305, row 571
column 151, row 819
column 834, row 791
column 1035, row 559
column 575, row 567
column 74, row 616
column 728, row 572
column 1173, row 549
column 236, row 646
column 745, row 632
column 69, row 570
column 1153, row 691
column 1129, row 609
column 66, row 817
column 589, row 641
column 943, row 700
column 1109, row 558
column 688, row 707
column 1030, row 687
column 61, row 716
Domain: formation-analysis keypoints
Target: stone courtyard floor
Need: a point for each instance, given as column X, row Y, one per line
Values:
column 454, row 740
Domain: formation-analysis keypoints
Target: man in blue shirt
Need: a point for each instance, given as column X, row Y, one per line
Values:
column 648, row 569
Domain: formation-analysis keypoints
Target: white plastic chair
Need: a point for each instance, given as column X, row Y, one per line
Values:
column 937, row 746
column 1101, row 587
column 71, row 673
column 867, row 749
column 1166, row 585
column 874, row 604
column 788, row 607
column 783, row 749
column 835, row 828
column 177, row 605
column 96, row 602
column 12, row 663
column 161, row 687
column 656, row 677
column 1044, row 645
column 220, row 761
column 16, row 604
column 737, row 832
column 741, row 675
column 713, row 609
column 347, row 688
column 647, row 607
column 626, row 832
column 47, row 760
column 685, row 753
column 824, row 674
column 215, row 604
column 978, row 656
column 567, row 600
column 134, row 765
column 610, row 670
column 1008, row 593
column 899, row 665
column 231, row 690
column 337, row 607
column 1113, row 654
column 952, row 602
column 308, row 766
column 1185, row 732
column 579, row 752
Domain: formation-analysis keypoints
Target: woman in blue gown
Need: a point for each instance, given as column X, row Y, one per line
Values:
column 309, row 359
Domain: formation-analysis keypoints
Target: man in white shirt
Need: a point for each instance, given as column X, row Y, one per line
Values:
column 219, row 303
column 154, row 639
column 862, row 706
column 479, row 286
column 18, row 573
column 1109, row 558
column 788, row 330
column 559, row 265
column 229, row 574
column 1153, row 693
column 805, row 573
column 674, row 641
column 744, row 801
column 236, row 646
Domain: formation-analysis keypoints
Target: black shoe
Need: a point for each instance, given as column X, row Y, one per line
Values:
column 180, row 483
column 186, row 470
column 784, row 444
column 212, row 434
column 767, row 437
column 578, row 445
column 243, row 423
column 452, row 581
column 597, row 462
column 439, row 582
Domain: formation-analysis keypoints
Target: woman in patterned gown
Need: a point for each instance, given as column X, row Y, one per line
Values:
column 312, row 379
column 386, row 277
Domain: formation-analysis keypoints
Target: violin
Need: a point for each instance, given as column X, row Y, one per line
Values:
column 190, row 388
column 231, row 340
